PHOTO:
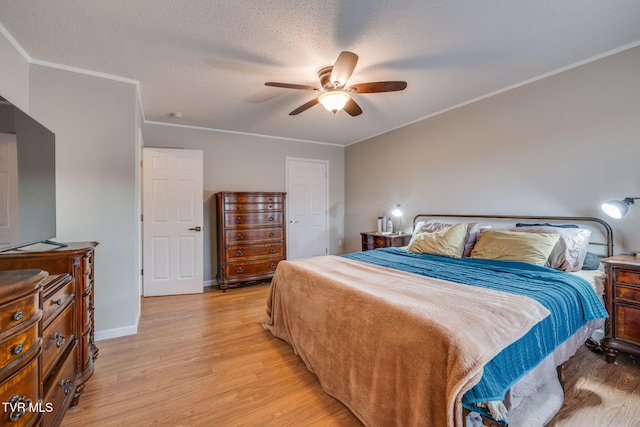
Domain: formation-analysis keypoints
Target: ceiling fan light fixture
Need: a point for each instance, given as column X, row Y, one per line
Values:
column 334, row 100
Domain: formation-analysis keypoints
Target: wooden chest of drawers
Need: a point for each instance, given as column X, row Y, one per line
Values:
column 251, row 236
column 622, row 299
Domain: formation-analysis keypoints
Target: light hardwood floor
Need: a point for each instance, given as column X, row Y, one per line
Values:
column 204, row 360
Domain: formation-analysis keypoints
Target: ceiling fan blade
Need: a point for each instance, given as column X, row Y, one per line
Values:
column 291, row 86
column 352, row 108
column 375, row 87
column 343, row 68
column 304, row 107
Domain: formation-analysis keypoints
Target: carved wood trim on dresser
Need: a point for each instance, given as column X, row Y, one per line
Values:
column 67, row 305
column 251, row 236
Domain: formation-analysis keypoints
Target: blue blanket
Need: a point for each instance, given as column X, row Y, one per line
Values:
column 570, row 299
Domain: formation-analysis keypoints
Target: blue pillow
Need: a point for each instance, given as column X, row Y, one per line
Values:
column 591, row 262
column 546, row 224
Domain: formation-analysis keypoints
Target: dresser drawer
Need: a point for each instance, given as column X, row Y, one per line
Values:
column 18, row 311
column 245, row 207
column 252, row 198
column 23, row 386
column 56, row 338
column 54, row 301
column 254, row 219
column 18, row 344
column 234, row 237
column 252, row 251
column 626, row 276
column 61, row 388
column 251, row 268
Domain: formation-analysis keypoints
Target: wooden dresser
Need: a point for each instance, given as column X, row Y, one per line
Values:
column 68, row 345
column 20, row 347
column 251, row 236
column 374, row 240
column 622, row 299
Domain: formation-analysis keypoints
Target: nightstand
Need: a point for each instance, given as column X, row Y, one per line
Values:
column 622, row 300
column 375, row 240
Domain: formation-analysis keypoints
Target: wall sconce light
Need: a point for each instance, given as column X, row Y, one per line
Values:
column 618, row 208
column 397, row 212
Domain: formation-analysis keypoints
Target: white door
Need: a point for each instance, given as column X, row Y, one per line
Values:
column 172, row 221
column 307, row 201
column 8, row 190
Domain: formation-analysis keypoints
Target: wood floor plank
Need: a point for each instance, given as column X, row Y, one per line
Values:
column 205, row 360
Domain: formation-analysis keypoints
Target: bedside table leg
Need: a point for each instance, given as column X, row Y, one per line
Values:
column 610, row 354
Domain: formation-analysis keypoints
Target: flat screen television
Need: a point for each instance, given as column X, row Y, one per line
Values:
column 27, row 179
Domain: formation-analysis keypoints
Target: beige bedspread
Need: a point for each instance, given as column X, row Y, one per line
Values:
column 396, row 348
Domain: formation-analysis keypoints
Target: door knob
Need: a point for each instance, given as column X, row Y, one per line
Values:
column 198, row 228
column 293, row 221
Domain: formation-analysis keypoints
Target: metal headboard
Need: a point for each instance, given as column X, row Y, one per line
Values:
column 604, row 226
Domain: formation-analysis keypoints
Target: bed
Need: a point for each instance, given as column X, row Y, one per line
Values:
column 424, row 336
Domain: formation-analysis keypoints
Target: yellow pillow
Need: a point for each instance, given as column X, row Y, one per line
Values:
column 447, row 241
column 534, row 248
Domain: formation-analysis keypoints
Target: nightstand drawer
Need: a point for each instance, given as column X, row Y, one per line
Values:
column 628, row 323
column 627, row 276
column 627, row 293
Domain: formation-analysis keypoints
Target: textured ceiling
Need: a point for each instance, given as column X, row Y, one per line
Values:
column 210, row 59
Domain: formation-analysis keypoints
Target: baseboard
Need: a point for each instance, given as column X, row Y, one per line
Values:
column 209, row 283
column 116, row 332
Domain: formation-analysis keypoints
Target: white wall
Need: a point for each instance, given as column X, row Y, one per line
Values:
column 558, row 146
column 236, row 162
column 14, row 73
column 94, row 120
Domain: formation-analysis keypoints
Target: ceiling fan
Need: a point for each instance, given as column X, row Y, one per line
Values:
column 335, row 95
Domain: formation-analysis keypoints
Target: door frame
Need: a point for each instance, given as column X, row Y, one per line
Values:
column 287, row 161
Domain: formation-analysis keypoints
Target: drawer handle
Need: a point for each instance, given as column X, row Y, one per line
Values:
column 19, row 407
column 239, row 253
column 272, row 250
column 239, row 270
column 67, row 384
column 58, row 301
column 272, row 234
column 239, row 237
column 270, row 218
column 59, row 339
column 17, row 349
column 238, row 220
column 273, row 265
column 270, row 206
column 18, row 315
